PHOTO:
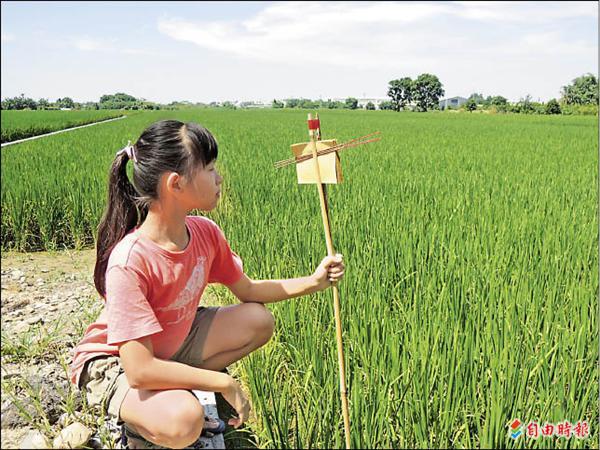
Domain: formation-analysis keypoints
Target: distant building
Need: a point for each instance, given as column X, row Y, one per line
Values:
column 453, row 102
column 253, row 104
column 362, row 102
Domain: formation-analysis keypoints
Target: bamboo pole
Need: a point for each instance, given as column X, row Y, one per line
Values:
column 336, row 296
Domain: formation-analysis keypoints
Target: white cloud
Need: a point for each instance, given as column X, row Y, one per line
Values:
column 386, row 35
column 343, row 34
column 8, row 37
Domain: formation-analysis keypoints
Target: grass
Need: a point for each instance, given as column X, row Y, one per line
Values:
column 471, row 250
column 31, row 350
column 23, row 124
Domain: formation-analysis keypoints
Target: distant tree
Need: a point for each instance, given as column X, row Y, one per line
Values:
column 370, row 106
column 332, row 104
column 121, row 100
column 500, row 103
column 66, row 102
column 229, row 105
column 351, row 103
column 91, row 105
column 427, row 91
column 401, row 92
column 477, row 98
column 292, row 103
column 277, row 104
column 524, row 105
column 386, row 105
column 471, row 105
column 43, row 103
column 552, row 107
column 118, row 97
column 20, row 102
column 582, row 91
column 498, row 100
column 307, row 103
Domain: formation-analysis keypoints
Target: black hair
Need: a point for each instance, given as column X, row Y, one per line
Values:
column 165, row 146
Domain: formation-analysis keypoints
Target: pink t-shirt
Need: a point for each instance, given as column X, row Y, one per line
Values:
column 154, row 292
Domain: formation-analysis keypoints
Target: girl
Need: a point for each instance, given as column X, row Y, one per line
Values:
column 151, row 344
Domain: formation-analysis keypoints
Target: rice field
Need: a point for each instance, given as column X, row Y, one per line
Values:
column 23, row 124
column 471, row 245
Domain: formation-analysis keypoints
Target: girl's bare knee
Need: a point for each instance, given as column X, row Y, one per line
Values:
column 182, row 425
column 262, row 321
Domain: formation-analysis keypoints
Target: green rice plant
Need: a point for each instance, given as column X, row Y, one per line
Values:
column 23, row 124
column 471, row 250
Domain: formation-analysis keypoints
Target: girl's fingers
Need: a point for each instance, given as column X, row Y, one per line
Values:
column 335, row 276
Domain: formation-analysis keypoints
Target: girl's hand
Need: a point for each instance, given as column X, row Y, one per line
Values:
column 236, row 398
column 329, row 271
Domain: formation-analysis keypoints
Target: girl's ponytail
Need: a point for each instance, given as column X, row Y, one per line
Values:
column 121, row 215
column 165, row 146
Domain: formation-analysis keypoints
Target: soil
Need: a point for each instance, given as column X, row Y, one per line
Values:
column 39, row 291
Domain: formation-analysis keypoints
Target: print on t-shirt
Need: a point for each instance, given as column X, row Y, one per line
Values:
column 187, row 301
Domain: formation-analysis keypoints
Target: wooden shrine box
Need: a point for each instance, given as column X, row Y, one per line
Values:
column 329, row 165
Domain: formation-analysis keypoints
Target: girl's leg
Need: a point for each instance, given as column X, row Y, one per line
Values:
column 235, row 331
column 171, row 418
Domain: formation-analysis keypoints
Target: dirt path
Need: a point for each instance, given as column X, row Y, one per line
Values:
column 48, row 300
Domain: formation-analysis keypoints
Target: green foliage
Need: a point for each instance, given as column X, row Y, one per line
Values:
column 121, row 100
column 477, row 98
column 473, row 311
column 23, row 124
column 277, row 104
column 66, row 102
column 119, row 97
column 303, row 103
column 470, row 105
column 499, row 101
column 20, row 102
column 583, row 110
column 552, row 107
column 42, row 103
column 386, row 105
column 331, row 104
column 427, row 90
column 582, row 91
column 228, row 105
column 351, row 103
column 526, row 106
column 370, row 106
column 401, row 92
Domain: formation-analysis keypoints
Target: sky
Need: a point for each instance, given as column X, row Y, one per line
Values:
column 259, row 51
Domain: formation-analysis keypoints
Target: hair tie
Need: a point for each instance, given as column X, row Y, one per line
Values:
column 129, row 150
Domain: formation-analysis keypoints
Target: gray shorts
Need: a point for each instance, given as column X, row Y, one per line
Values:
column 103, row 379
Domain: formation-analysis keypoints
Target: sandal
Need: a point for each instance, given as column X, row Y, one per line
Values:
column 212, row 426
